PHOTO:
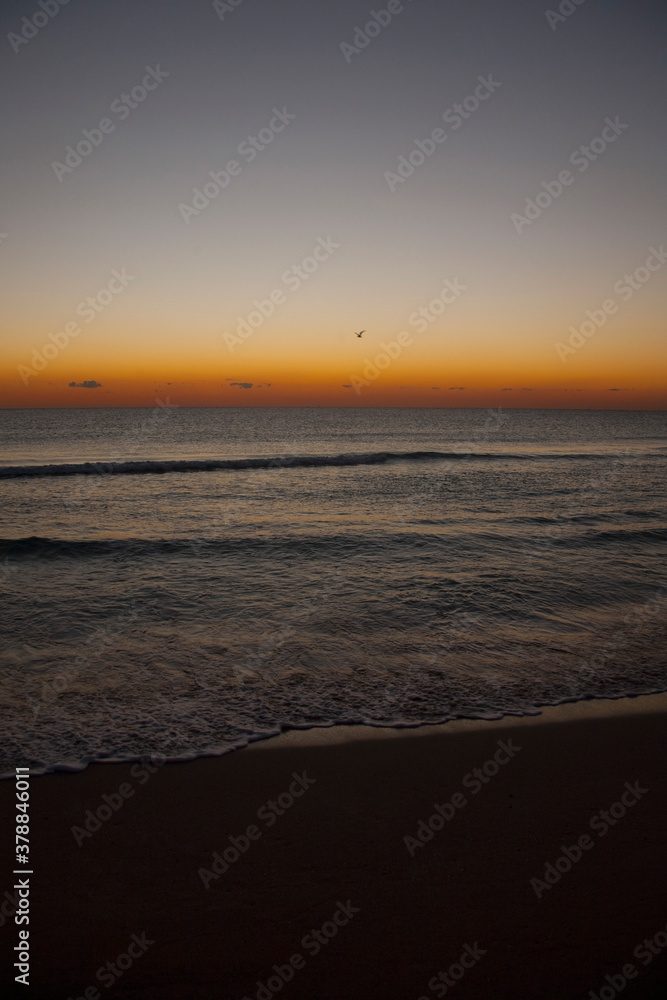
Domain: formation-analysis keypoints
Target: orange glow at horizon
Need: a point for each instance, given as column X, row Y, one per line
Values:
column 454, row 362
column 413, row 388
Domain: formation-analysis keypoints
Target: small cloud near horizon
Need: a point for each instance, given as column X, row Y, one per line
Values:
column 250, row 385
column 90, row 384
column 456, row 388
column 507, row 389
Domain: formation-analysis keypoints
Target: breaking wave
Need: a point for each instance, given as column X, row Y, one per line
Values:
column 280, row 462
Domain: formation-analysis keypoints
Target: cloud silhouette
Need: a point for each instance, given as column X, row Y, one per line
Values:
column 243, row 385
column 456, row 388
column 90, row 384
column 507, row 389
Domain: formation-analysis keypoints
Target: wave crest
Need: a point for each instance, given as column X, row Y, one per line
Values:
column 156, row 467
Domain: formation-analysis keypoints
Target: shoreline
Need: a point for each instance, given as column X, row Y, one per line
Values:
column 340, row 733
column 567, row 711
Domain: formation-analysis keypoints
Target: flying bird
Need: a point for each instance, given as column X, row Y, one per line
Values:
column 359, row 334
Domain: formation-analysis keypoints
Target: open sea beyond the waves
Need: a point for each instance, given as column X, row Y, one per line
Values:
column 222, row 574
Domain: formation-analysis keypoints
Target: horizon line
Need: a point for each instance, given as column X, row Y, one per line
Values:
column 316, row 406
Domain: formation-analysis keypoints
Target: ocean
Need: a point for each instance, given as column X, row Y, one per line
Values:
column 182, row 581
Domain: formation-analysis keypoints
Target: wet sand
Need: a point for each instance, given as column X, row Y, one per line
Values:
column 343, row 879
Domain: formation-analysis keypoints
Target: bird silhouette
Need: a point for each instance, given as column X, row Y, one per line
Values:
column 359, row 334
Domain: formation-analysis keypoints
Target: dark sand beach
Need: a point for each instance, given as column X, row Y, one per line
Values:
column 335, row 862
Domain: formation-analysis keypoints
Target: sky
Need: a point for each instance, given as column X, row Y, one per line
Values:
column 203, row 202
